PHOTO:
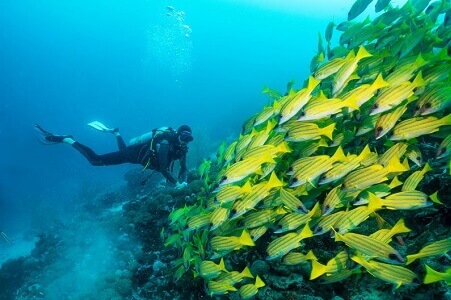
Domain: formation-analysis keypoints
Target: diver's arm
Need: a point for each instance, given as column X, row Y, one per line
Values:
column 163, row 163
column 183, row 169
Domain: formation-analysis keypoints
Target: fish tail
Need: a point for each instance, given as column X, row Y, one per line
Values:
column 379, row 82
column 274, row 181
column 352, row 102
column 312, row 83
column 247, row 273
column 395, row 165
column 311, row 256
column 222, row 266
column 259, row 282
column 317, row 270
column 245, row 239
column 400, row 227
column 446, row 120
column 375, row 202
column 362, row 53
column 419, row 81
column 411, row 258
column 328, row 130
column 431, row 275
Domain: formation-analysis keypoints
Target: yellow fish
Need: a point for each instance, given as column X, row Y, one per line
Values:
column 226, row 244
column 335, row 265
column 370, row 247
column 284, row 244
column 390, row 273
column 434, row 276
column 438, row 248
column 406, row 200
column 293, row 105
column 209, row 269
column 415, row 127
column 249, row 290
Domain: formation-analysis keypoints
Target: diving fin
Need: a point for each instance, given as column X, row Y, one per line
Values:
column 99, row 126
column 49, row 138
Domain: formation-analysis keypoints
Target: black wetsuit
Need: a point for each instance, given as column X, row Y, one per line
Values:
column 166, row 150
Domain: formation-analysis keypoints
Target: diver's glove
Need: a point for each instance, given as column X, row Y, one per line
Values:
column 181, row 185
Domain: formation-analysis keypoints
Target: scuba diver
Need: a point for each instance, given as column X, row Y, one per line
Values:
column 156, row 150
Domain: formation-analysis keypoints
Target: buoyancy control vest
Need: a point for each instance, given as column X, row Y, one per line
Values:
column 153, row 138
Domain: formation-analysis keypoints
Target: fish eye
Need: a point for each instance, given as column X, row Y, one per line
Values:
column 233, row 211
column 279, row 226
column 417, row 108
column 318, row 229
column 418, row 158
column 300, row 208
column 428, row 105
column 303, row 114
column 215, row 199
column 290, row 169
column 443, row 150
column 392, row 256
column 327, row 207
column 293, row 180
column 224, row 178
column 323, row 176
column 287, row 134
column 379, row 129
column 375, row 106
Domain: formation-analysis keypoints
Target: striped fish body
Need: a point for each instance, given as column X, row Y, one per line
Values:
column 351, row 219
column 292, row 107
column 292, row 202
column 407, row 200
column 219, row 288
column 437, row 248
column 370, row 247
column 390, row 273
column 365, row 177
column 329, row 68
column 303, row 131
column 291, row 221
column 244, row 168
column 325, row 222
column 415, row 127
column 284, row 244
column 414, row 179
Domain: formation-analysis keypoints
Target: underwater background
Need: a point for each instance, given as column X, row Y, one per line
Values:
column 129, row 65
column 136, row 66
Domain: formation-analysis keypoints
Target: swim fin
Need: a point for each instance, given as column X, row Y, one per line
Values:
column 99, row 126
column 48, row 138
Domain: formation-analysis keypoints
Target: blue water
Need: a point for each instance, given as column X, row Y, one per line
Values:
column 130, row 65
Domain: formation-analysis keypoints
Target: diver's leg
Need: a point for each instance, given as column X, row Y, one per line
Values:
column 120, row 141
column 113, row 158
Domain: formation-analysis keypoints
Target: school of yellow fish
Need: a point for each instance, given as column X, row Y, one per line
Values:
column 330, row 157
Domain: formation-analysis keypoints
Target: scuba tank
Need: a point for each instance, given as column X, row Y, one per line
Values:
column 141, row 139
column 144, row 138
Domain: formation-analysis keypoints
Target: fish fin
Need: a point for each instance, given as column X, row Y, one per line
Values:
column 312, row 83
column 394, row 183
column 311, row 256
column 419, row 81
column 379, row 82
column 400, row 227
column 339, row 155
column 274, row 181
column 362, row 53
column 435, row 199
column 317, row 270
column 375, row 202
column 328, row 131
column 222, row 266
column 431, row 275
column 411, row 258
column 247, row 273
column 245, row 239
column 258, row 282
